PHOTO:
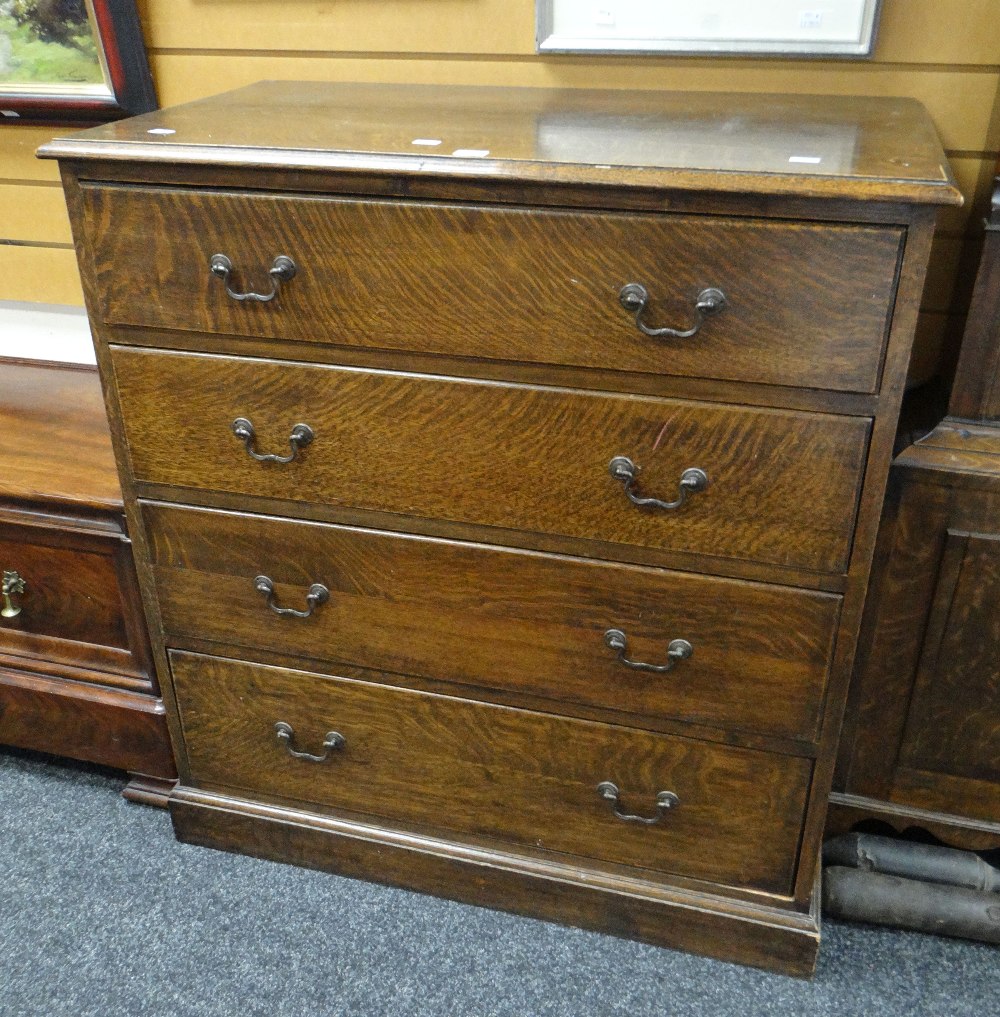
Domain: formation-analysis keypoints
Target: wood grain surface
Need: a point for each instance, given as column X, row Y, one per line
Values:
column 54, row 440
column 69, row 593
column 488, row 617
column 474, row 768
column 807, row 305
column 782, row 488
column 120, row 728
column 880, row 148
column 953, row 724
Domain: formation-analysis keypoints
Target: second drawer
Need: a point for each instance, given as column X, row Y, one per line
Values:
column 490, row 617
column 780, row 487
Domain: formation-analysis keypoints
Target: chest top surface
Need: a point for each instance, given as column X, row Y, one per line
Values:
column 798, row 146
column 54, row 440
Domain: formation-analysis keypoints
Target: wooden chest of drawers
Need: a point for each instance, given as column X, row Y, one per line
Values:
column 505, row 504
column 76, row 677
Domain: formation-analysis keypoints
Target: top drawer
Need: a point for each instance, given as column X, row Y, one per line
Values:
column 806, row 304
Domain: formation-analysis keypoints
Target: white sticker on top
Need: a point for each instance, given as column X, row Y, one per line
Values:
column 430, row 142
column 812, row 160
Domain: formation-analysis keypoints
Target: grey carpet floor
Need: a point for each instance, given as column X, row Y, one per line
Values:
column 103, row 914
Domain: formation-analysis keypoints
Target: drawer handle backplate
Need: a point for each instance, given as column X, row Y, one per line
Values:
column 282, row 269
column 634, row 297
column 301, row 435
column 623, row 469
column 13, row 586
column 678, row 649
column 286, row 735
column 318, row 594
column 665, row 801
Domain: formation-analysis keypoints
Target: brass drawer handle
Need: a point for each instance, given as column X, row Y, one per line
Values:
column 665, row 801
column 302, row 435
column 318, row 594
column 281, row 270
column 285, row 734
column 623, row 469
column 13, row 586
column 678, row 649
column 634, row 297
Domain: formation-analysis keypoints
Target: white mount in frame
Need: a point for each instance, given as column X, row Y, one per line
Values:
column 794, row 27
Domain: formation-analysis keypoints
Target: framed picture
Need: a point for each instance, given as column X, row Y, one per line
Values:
column 72, row 62
column 713, row 27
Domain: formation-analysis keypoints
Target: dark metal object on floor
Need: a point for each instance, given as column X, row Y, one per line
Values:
column 928, row 863
column 879, row 899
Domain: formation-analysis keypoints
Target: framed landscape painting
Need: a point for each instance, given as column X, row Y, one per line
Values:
column 72, row 61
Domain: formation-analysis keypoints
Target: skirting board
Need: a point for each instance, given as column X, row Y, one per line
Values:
column 767, row 937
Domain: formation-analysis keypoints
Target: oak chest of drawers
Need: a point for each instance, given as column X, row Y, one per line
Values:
column 504, row 468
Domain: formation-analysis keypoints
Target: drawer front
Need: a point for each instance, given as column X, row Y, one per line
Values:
column 782, row 486
column 68, row 593
column 495, row 618
column 806, row 304
column 482, row 770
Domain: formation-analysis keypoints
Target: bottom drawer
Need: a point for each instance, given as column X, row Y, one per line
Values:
column 449, row 764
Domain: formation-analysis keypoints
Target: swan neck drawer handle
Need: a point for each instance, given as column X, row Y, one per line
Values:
column 678, row 649
column 285, row 735
column 665, row 801
column 624, row 470
column 318, row 594
column 282, row 270
column 13, row 586
column 301, row 435
column 634, row 297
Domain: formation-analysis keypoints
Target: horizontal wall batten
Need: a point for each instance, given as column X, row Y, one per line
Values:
column 737, row 65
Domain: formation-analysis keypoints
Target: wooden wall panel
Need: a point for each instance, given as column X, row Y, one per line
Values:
column 932, row 32
column 948, row 60
column 18, row 145
column 34, row 213
column 45, row 274
column 912, row 31
column 358, row 26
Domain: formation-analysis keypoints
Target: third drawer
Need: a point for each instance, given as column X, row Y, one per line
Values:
column 490, row 617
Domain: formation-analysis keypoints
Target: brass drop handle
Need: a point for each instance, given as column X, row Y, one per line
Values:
column 634, row 297
column 623, row 469
column 318, row 594
column 281, row 270
column 285, row 735
column 300, row 436
column 665, row 801
column 678, row 649
column 13, row 586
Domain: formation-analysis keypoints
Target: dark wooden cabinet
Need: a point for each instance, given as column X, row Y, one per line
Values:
column 76, row 675
column 504, row 519
column 921, row 746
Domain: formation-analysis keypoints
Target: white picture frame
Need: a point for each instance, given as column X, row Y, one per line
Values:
column 817, row 28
